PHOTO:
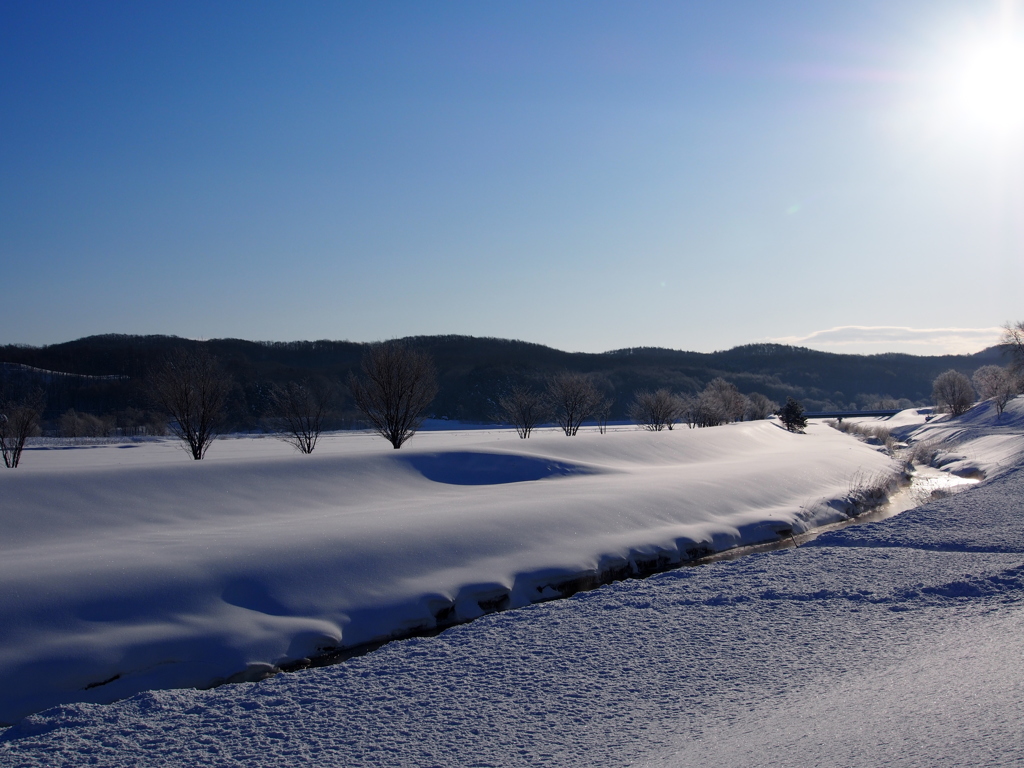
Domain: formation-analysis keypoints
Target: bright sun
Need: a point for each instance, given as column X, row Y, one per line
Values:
column 988, row 86
column 980, row 80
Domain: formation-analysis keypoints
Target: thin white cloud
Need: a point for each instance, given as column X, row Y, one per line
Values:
column 871, row 339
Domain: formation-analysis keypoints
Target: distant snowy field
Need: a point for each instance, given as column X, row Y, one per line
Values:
column 897, row 643
column 129, row 567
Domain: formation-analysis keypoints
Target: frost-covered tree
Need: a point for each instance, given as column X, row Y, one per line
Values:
column 760, row 407
column 689, row 410
column 192, row 388
column 396, row 386
column 655, row 411
column 572, row 398
column 995, row 383
column 1013, row 340
column 719, row 403
column 523, row 408
column 952, row 392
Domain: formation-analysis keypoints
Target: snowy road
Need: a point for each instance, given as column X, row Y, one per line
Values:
column 898, row 643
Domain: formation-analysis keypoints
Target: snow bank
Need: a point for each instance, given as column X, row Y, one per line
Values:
column 129, row 567
column 891, row 644
column 980, row 443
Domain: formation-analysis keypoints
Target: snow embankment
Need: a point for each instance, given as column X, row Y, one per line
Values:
column 127, row 568
column 981, row 442
column 896, row 643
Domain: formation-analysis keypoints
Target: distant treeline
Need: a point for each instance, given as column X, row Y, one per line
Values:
column 105, row 376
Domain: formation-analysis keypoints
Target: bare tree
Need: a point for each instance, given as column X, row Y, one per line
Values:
column 602, row 412
column 395, row 389
column 192, row 388
column 655, row 410
column 719, row 403
column 572, row 397
column 19, row 420
column 689, row 410
column 523, row 408
column 302, row 409
column 1013, row 339
column 760, row 407
column 995, row 383
column 952, row 392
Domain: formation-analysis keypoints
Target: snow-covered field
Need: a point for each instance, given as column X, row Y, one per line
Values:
column 893, row 643
column 130, row 567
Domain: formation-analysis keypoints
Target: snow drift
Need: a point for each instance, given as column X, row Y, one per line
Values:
column 129, row 568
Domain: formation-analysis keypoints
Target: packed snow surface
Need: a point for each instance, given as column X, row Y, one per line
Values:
column 896, row 643
column 128, row 567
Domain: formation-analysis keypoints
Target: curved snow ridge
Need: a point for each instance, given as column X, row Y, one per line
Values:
column 133, row 570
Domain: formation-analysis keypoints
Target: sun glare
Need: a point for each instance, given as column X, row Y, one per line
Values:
column 988, row 89
column 979, row 80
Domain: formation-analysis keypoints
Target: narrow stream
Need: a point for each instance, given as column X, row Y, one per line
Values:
column 926, row 483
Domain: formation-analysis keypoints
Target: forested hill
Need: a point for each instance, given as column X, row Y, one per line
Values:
column 474, row 371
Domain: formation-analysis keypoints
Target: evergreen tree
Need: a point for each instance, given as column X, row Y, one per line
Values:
column 792, row 416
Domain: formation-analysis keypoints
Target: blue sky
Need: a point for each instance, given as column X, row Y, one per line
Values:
column 587, row 175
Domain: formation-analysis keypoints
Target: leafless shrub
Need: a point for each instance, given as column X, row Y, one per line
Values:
column 891, row 445
column 572, row 398
column 395, row 389
column 302, row 408
column 869, row 491
column 192, row 388
column 878, row 434
column 19, row 420
column 654, row 411
column 524, row 409
column 952, row 392
column 923, row 452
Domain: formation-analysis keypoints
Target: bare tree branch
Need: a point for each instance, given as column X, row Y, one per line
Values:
column 302, row 409
column 1013, row 339
column 654, row 411
column 524, row 409
column 572, row 397
column 760, row 407
column 996, row 384
column 719, row 403
column 192, row 389
column 19, row 420
column 395, row 389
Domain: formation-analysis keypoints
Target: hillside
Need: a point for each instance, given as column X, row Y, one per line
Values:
column 473, row 371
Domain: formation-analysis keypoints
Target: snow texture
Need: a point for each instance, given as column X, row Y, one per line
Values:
column 130, row 567
column 897, row 643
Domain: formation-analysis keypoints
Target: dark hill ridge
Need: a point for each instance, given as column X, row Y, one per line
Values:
column 473, row 371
